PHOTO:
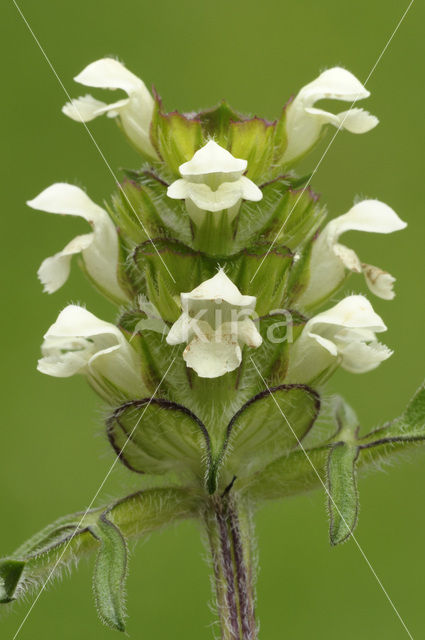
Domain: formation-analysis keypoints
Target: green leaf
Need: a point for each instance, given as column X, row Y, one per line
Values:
column 289, row 475
column 110, row 573
column 158, row 436
column 62, row 544
column 409, row 427
column 10, row 574
column 268, row 426
column 342, row 491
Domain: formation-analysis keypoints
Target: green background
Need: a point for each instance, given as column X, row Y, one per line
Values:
column 53, row 453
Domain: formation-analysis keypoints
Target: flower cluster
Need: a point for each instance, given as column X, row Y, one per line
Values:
column 226, row 280
column 213, row 182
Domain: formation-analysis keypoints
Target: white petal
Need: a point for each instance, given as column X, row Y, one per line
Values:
column 181, row 331
column 76, row 321
column 325, row 343
column 212, row 359
column 225, row 197
column 179, row 189
column 250, row 191
column 348, row 258
column 64, row 357
column 108, row 73
column 248, row 333
column 336, row 84
column 84, row 109
column 54, row 271
column 357, row 120
column 369, row 215
column 352, row 312
column 359, row 357
column 219, row 288
column 212, row 158
column 100, row 255
column 379, row 282
column 354, row 120
column 67, row 199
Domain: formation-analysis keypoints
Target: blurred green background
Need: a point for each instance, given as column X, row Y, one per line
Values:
column 54, row 455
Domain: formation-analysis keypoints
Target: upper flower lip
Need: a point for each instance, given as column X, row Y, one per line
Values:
column 109, row 73
column 212, row 158
column 219, row 288
column 354, row 312
column 335, row 84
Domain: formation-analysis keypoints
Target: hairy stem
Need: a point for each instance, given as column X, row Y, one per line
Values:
column 230, row 540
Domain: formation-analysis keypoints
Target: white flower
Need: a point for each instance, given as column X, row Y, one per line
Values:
column 304, row 122
column 330, row 260
column 99, row 249
column 134, row 112
column 344, row 335
column 213, row 181
column 215, row 322
column 79, row 342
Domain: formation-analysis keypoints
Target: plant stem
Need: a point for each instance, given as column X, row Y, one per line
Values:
column 230, row 541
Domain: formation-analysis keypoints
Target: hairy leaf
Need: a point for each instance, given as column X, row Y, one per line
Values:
column 10, row 574
column 63, row 543
column 342, row 491
column 110, row 573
